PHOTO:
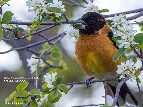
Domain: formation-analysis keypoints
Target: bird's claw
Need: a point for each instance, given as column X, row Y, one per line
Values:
column 88, row 82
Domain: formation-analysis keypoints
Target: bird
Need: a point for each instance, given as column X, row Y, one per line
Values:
column 94, row 49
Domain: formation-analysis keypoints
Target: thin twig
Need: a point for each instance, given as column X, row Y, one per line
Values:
column 80, row 5
column 65, row 17
column 36, row 53
column 76, row 21
column 105, row 87
column 118, row 90
column 70, row 4
column 58, row 40
column 125, row 12
column 85, row 1
column 44, row 38
column 39, row 31
column 135, row 16
column 32, row 45
column 46, row 23
column 93, row 105
column 92, row 81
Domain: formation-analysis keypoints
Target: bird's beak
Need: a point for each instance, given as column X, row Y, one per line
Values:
column 83, row 24
column 80, row 21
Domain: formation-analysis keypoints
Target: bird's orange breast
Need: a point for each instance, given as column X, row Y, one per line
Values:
column 94, row 54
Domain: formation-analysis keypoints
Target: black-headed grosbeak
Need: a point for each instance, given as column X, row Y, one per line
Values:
column 95, row 49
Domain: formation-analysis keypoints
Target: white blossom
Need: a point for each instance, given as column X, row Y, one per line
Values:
column 127, row 68
column 90, row 7
column 72, row 32
column 121, row 68
column 130, row 54
column 58, row 4
column 122, row 28
column 49, row 79
column 33, row 62
column 42, row 99
column 58, row 14
column 39, row 6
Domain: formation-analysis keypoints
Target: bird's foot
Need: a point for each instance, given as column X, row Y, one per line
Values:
column 88, row 82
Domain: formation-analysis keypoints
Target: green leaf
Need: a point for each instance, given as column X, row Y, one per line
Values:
column 109, row 22
column 118, row 54
column 55, row 10
column 1, row 34
column 1, row 3
column 33, row 104
column 63, row 65
column 141, row 28
column 138, row 80
column 46, row 45
column 124, row 58
column 103, row 10
column 54, row 96
column 7, row 17
column 63, row 88
column 29, row 37
column 46, row 17
column 10, row 97
column 35, row 92
column 137, row 73
column 59, row 80
column 6, row 0
column 44, row 86
column 139, row 39
column 22, row 93
column 19, row 30
column 22, row 86
column 18, row 101
column 56, row 54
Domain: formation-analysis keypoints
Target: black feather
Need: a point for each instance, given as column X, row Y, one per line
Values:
column 93, row 22
column 110, row 35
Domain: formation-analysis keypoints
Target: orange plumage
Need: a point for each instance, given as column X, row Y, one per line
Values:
column 95, row 51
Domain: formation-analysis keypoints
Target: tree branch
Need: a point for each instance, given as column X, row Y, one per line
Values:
column 135, row 16
column 48, row 50
column 32, row 45
column 118, row 90
column 76, row 21
column 92, row 81
column 89, row 105
column 125, row 12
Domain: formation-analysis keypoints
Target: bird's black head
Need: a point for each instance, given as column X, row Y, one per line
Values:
column 93, row 22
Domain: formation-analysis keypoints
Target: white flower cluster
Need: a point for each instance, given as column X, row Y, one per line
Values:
column 127, row 68
column 42, row 99
column 90, row 7
column 72, row 32
column 33, row 62
column 49, row 79
column 59, row 5
column 122, row 28
column 40, row 6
